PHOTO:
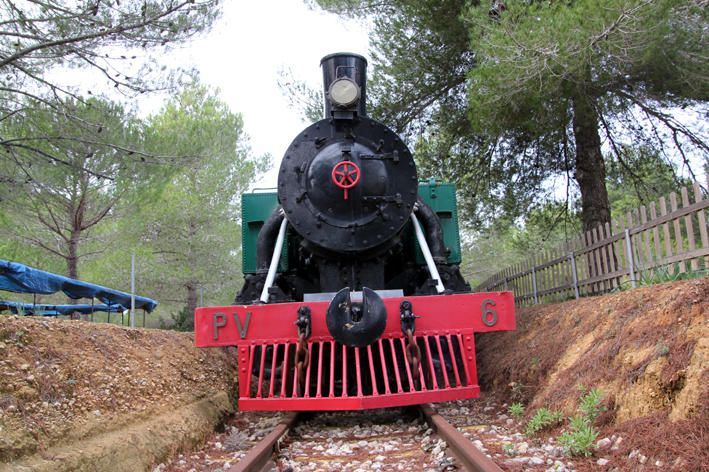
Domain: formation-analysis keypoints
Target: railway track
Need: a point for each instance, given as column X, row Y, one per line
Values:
column 393, row 439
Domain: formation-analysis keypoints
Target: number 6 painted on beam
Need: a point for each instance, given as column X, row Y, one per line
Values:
column 489, row 314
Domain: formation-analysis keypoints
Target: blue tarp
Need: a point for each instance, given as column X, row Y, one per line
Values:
column 54, row 310
column 19, row 278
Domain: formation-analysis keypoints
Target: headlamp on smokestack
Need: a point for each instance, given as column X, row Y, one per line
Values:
column 344, row 92
column 344, row 86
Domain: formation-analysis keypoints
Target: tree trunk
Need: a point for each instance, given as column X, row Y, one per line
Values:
column 191, row 303
column 590, row 168
column 72, row 258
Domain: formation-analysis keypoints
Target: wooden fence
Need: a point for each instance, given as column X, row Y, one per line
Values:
column 648, row 244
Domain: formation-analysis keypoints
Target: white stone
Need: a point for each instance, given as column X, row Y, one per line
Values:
column 617, row 443
column 602, row 461
column 603, row 443
column 536, row 460
column 642, row 459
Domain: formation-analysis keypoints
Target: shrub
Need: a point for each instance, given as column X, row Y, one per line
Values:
column 542, row 420
column 516, row 410
column 590, row 403
column 579, row 441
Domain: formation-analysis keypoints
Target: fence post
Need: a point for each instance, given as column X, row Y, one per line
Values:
column 534, row 284
column 631, row 262
column 132, row 291
column 574, row 274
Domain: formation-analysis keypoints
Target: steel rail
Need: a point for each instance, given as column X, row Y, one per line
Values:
column 258, row 456
column 464, row 450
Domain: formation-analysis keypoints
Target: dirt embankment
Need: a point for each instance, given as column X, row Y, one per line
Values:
column 70, row 390
column 646, row 349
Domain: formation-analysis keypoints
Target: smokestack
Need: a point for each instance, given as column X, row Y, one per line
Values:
column 345, row 65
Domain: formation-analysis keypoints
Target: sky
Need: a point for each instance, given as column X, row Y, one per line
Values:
column 248, row 47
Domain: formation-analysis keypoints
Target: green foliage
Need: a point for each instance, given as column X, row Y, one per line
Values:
column 663, row 274
column 638, row 176
column 178, row 215
column 543, row 419
column 510, row 242
column 590, row 403
column 539, row 54
column 58, row 205
column 579, row 441
column 113, row 40
column 516, row 410
column 189, row 231
column 183, row 320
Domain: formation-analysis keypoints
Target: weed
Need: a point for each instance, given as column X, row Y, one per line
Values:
column 508, row 449
column 516, row 410
column 542, row 420
column 181, row 321
column 663, row 274
column 590, row 403
column 579, row 441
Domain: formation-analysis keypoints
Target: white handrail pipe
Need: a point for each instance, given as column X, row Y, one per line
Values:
column 427, row 254
column 271, row 276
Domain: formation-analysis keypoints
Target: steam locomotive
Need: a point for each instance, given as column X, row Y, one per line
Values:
column 352, row 296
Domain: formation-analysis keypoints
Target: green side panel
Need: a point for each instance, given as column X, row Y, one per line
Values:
column 255, row 210
column 441, row 198
column 257, row 207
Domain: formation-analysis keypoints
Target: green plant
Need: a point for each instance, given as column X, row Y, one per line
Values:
column 590, row 403
column 543, row 419
column 508, row 449
column 579, row 440
column 181, row 321
column 516, row 410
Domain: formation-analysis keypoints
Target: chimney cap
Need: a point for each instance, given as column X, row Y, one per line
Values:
column 347, row 54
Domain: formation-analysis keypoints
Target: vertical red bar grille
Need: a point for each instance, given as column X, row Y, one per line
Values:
column 379, row 370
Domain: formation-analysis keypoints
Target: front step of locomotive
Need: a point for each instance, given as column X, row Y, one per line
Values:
column 288, row 363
